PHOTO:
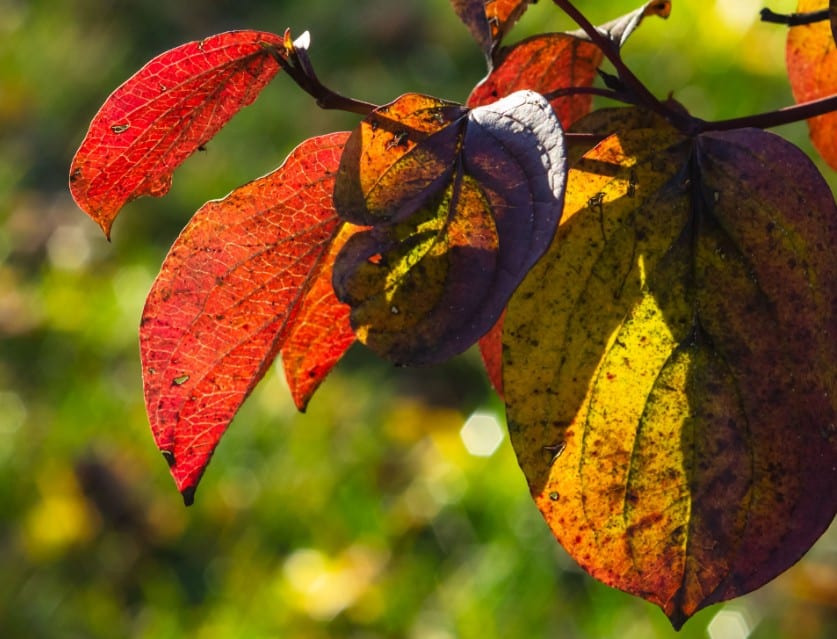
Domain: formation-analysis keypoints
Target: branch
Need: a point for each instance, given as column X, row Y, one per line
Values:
column 603, row 93
column 296, row 63
column 794, row 19
column 611, row 51
column 769, row 119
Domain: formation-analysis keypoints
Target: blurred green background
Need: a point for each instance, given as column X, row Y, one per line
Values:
column 367, row 517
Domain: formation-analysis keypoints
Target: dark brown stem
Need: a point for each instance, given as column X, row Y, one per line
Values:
column 794, row 19
column 298, row 66
column 787, row 115
column 604, row 93
column 632, row 83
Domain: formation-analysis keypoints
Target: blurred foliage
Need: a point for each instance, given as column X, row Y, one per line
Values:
column 366, row 517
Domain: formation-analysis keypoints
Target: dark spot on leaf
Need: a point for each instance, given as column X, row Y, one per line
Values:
column 169, row 457
column 554, row 496
column 120, row 128
column 75, row 175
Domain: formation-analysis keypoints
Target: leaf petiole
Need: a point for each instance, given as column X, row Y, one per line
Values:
column 793, row 19
column 296, row 63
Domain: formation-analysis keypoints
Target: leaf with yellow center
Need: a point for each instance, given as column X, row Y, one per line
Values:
column 669, row 365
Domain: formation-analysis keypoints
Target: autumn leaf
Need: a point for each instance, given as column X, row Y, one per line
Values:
column 460, row 203
column 321, row 332
column 226, row 300
column 489, row 20
column 811, row 56
column 669, row 365
column 169, row 109
column 544, row 63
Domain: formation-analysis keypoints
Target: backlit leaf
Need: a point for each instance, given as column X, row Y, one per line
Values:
column 669, row 365
column 226, row 298
column 163, row 114
column 461, row 204
column 489, row 20
column 544, row 63
column 812, row 68
column 321, row 332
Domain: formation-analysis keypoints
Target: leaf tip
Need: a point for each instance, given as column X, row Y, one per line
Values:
column 678, row 618
column 188, row 494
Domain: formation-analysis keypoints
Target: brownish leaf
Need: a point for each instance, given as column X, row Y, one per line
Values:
column 460, row 204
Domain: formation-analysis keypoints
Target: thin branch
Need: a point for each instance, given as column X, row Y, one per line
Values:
column 629, row 79
column 793, row 19
column 769, row 119
column 603, row 93
column 298, row 66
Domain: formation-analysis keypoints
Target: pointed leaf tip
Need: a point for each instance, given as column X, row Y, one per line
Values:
column 188, row 495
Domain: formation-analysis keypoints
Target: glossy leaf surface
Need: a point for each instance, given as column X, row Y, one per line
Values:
column 812, row 68
column 171, row 107
column 461, row 204
column 226, row 299
column 670, row 363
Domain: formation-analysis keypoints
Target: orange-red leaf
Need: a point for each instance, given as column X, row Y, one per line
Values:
column 544, row 63
column 225, row 300
column 163, row 114
column 812, row 68
column 491, row 350
column 321, row 333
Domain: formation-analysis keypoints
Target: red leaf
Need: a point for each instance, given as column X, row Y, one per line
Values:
column 163, row 114
column 491, row 349
column 321, row 333
column 544, row 63
column 226, row 298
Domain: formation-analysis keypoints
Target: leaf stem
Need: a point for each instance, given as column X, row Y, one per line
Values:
column 604, row 93
column 794, row 19
column 297, row 65
column 629, row 79
column 778, row 117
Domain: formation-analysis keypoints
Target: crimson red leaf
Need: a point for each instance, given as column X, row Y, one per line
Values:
column 226, row 298
column 163, row 114
column 321, row 333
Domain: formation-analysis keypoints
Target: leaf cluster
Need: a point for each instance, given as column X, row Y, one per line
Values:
column 653, row 294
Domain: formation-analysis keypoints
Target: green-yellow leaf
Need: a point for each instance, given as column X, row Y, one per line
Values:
column 669, row 365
